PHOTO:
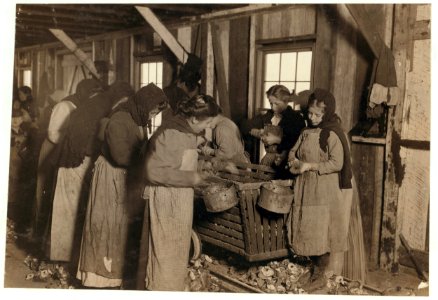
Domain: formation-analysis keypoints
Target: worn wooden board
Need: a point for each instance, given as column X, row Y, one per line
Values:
column 324, row 57
column 415, row 189
column 390, row 229
column 238, row 68
column 293, row 21
column 345, row 68
column 122, row 63
column 368, row 171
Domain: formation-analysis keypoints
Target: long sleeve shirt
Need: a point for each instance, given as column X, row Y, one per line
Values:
column 171, row 158
column 59, row 120
column 122, row 139
column 227, row 140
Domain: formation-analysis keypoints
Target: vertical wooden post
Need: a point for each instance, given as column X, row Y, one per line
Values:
column 238, row 68
column 390, row 231
column 220, row 71
column 251, row 68
column 209, row 62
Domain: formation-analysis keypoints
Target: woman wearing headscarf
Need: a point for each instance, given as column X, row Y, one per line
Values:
column 320, row 217
column 106, row 225
column 171, row 171
column 78, row 151
column 57, row 125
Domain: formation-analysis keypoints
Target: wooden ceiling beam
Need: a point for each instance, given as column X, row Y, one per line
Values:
column 101, row 9
column 178, row 8
column 78, row 17
column 30, row 33
column 50, row 22
column 78, row 29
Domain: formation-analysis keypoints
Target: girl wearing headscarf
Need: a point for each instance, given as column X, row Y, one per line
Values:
column 78, row 151
column 106, row 224
column 319, row 221
column 171, row 171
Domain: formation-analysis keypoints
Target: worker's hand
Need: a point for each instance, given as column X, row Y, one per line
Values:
column 270, row 139
column 207, row 151
column 201, row 141
column 231, row 167
column 201, row 178
column 294, row 166
column 298, row 167
column 220, row 165
column 256, row 132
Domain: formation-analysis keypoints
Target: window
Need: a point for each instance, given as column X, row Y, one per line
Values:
column 291, row 68
column 286, row 64
column 152, row 72
column 27, row 78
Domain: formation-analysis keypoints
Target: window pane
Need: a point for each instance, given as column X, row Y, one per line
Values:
column 288, row 65
column 159, row 74
column 27, row 78
column 152, row 73
column 272, row 67
column 144, row 76
column 301, row 86
column 289, row 85
column 304, row 65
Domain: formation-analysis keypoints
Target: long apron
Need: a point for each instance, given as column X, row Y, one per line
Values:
column 106, row 228
column 71, row 193
column 44, row 189
column 320, row 215
column 171, row 218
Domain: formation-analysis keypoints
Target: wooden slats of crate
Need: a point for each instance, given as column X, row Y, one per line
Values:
column 246, row 229
column 223, row 229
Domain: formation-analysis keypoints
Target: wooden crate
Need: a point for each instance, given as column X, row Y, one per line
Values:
column 245, row 229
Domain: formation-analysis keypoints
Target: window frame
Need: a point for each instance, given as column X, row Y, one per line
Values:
column 265, row 48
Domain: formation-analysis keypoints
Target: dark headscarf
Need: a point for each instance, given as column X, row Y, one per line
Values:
column 84, row 90
column 332, row 122
column 174, row 94
column 144, row 101
column 80, row 138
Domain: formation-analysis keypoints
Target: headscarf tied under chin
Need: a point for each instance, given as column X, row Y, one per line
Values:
column 332, row 122
column 143, row 102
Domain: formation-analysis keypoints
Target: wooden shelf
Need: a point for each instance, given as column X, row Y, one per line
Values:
column 368, row 140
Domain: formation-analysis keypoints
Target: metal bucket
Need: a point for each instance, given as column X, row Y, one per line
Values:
column 220, row 196
column 275, row 197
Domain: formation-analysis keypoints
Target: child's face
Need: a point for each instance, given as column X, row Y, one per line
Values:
column 22, row 96
column 277, row 105
column 315, row 115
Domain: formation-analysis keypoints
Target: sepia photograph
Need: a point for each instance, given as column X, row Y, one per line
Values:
column 237, row 148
